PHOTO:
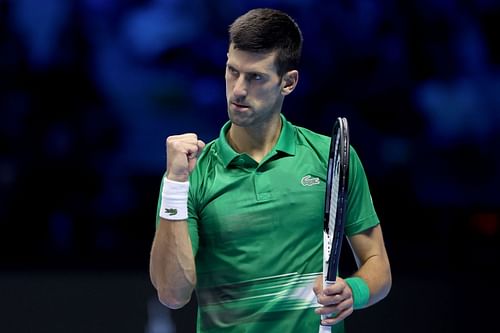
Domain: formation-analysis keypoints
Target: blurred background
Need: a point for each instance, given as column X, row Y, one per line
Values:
column 90, row 89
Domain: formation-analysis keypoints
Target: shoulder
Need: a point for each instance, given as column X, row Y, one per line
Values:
column 312, row 140
column 320, row 145
column 305, row 136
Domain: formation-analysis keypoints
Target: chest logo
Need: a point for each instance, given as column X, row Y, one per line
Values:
column 309, row 180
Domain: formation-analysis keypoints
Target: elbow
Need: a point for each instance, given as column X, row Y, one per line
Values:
column 173, row 291
column 387, row 285
column 381, row 286
column 387, row 288
column 173, row 299
column 174, row 295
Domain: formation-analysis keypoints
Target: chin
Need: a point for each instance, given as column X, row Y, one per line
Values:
column 239, row 120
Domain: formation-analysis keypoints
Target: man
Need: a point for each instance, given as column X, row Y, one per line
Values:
column 240, row 219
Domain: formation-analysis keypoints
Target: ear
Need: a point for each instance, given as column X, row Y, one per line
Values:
column 289, row 82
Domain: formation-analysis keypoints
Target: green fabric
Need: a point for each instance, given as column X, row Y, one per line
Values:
column 360, row 291
column 256, row 231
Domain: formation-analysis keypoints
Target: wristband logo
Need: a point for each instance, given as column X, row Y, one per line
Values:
column 171, row 211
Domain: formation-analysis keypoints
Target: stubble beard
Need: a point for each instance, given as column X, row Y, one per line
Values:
column 241, row 119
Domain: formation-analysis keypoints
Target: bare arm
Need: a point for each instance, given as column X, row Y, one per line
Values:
column 172, row 265
column 373, row 263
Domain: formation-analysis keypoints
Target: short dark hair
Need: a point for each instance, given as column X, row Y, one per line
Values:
column 266, row 30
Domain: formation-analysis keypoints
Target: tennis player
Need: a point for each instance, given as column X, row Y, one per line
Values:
column 240, row 220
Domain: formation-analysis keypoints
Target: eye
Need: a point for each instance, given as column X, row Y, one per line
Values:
column 256, row 77
column 232, row 71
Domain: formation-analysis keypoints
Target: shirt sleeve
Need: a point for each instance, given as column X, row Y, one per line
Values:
column 361, row 213
column 193, row 217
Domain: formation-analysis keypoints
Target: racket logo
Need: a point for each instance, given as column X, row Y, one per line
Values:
column 309, row 180
column 171, row 211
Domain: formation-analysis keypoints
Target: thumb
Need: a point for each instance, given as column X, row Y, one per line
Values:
column 193, row 158
column 318, row 285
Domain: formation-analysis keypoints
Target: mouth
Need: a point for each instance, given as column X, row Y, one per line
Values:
column 239, row 107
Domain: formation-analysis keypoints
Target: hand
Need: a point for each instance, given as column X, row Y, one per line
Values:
column 336, row 299
column 182, row 154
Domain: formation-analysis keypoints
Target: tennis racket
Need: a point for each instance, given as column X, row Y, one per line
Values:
column 335, row 203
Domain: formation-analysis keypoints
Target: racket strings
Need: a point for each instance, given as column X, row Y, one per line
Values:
column 334, row 191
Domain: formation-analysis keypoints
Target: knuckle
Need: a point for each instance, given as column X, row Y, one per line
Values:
column 172, row 138
column 189, row 137
column 171, row 141
column 175, row 145
column 182, row 137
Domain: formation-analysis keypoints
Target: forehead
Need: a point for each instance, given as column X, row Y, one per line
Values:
column 246, row 61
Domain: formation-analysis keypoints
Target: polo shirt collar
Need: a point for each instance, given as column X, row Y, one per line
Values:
column 286, row 142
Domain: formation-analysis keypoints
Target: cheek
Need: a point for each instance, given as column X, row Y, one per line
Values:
column 228, row 86
column 268, row 95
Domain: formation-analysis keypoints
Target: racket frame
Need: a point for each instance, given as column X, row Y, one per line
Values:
column 333, row 226
column 334, row 237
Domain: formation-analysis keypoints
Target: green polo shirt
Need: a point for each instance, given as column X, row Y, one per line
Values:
column 256, row 231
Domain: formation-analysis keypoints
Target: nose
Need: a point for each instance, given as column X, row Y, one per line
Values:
column 240, row 88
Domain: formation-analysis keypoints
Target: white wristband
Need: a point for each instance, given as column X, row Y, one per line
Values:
column 174, row 198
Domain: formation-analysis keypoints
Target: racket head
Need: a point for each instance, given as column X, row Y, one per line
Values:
column 336, row 198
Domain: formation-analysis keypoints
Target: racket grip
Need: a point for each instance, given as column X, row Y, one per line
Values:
column 325, row 329
column 323, row 317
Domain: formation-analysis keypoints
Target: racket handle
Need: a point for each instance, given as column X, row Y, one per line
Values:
column 323, row 317
column 325, row 329
column 327, row 283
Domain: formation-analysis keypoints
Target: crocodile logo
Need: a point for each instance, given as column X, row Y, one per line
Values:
column 171, row 211
column 309, row 180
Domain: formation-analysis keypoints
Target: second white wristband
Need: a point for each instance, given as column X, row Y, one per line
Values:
column 174, row 198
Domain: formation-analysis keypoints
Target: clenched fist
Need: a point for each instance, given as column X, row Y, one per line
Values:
column 336, row 299
column 182, row 152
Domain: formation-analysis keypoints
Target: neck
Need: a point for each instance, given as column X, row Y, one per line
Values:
column 255, row 142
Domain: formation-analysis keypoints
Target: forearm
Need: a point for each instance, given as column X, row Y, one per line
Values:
column 373, row 263
column 172, row 266
column 377, row 275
